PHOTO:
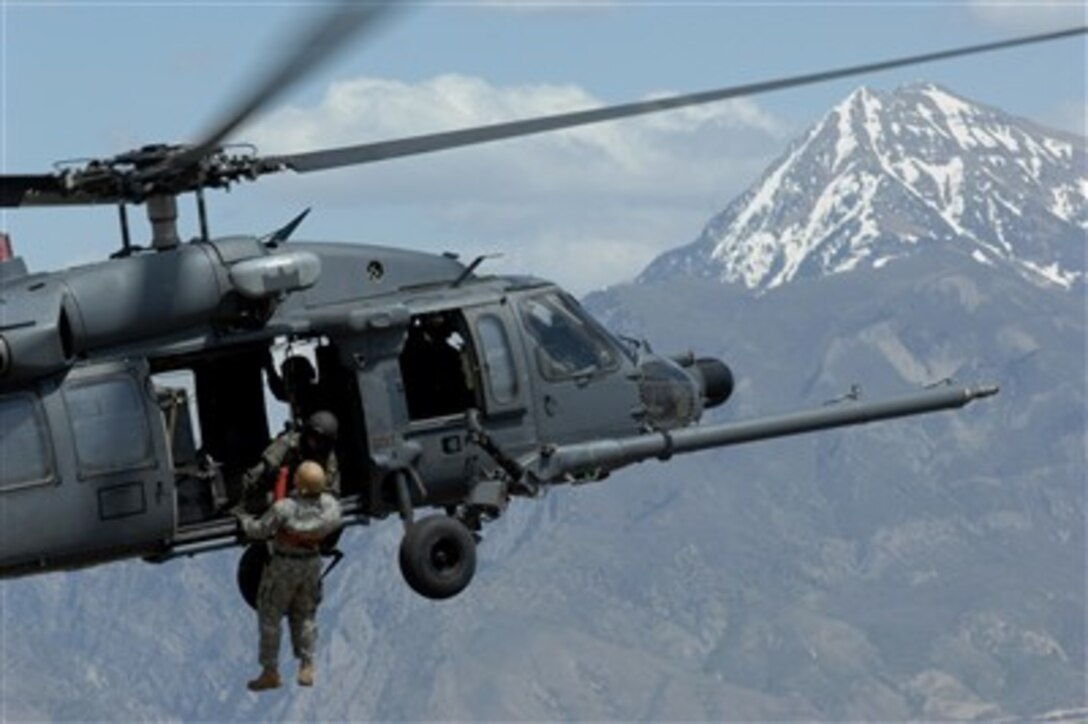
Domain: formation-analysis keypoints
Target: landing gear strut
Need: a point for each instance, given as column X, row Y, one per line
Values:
column 437, row 554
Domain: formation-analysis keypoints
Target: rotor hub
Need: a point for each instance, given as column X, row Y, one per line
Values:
column 135, row 176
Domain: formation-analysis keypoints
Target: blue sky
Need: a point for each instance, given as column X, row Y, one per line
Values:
column 585, row 208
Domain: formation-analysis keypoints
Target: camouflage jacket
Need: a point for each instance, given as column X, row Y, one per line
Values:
column 297, row 524
column 286, row 450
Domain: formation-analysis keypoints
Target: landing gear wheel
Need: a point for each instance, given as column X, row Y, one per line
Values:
column 250, row 569
column 438, row 557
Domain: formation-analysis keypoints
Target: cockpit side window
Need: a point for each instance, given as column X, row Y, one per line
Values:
column 109, row 425
column 24, row 452
column 569, row 343
column 498, row 361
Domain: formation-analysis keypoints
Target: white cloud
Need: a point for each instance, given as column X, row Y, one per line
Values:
column 586, row 206
column 1030, row 15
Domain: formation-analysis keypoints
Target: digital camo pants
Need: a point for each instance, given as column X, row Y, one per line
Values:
column 289, row 587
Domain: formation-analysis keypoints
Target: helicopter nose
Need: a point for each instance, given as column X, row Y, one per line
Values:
column 717, row 380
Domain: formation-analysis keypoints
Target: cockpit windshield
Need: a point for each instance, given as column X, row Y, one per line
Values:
column 570, row 342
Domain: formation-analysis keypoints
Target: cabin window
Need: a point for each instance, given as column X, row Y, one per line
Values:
column 24, row 453
column 109, row 425
column 569, row 343
column 176, row 395
column 498, row 361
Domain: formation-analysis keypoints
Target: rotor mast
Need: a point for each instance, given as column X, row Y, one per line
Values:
column 162, row 212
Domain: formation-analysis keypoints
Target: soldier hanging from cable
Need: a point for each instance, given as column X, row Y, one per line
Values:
column 291, row 582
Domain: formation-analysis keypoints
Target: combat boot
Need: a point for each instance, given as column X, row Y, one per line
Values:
column 306, row 673
column 269, row 679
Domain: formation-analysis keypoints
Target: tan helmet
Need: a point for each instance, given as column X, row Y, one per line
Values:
column 310, row 478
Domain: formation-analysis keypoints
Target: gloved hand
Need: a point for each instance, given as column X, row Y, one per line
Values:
column 244, row 520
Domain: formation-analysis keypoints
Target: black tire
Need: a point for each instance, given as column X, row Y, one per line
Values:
column 438, row 557
column 250, row 569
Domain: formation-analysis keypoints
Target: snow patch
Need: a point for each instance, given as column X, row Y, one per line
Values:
column 956, row 114
column 873, row 126
column 981, row 258
column 947, row 177
column 1065, row 200
column 906, row 170
column 1004, row 136
column 1059, row 148
column 765, row 196
column 1052, row 273
column 845, row 143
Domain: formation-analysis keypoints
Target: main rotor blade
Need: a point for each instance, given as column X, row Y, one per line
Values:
column 328, row 34
column 30, row 190
column 370, row 152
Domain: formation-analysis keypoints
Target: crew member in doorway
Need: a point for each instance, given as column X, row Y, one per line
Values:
column 296, row 385
column 315, row 441
column 291, row 582
column 433, row 367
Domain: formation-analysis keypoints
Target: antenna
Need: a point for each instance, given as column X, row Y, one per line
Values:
column 472, row 267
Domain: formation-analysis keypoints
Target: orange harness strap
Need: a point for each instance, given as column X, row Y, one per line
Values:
column 305, row 541
column 280, row 491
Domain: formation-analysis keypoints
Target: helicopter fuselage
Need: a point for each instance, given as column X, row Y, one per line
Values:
column 134, row 394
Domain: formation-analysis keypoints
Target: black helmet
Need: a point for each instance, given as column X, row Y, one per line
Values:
column 297, row 369
column 323, row 424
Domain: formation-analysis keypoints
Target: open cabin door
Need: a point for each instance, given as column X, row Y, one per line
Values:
column 86, row 473
column 455, row 360
column 440, row 383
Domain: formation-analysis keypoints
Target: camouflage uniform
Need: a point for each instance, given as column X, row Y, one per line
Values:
column 291, row 582
column 286, row 449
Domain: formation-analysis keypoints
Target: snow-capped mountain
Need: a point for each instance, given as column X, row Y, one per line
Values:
column 884, row 175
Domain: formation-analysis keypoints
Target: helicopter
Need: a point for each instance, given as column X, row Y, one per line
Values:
column 456, row 392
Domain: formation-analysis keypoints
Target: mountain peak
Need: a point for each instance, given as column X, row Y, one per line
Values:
column 858, row 97
column 882, row 176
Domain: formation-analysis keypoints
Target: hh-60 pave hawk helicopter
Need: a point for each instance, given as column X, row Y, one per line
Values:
column 454, row 391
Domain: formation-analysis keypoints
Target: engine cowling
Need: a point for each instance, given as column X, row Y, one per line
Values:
column 39, row 336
